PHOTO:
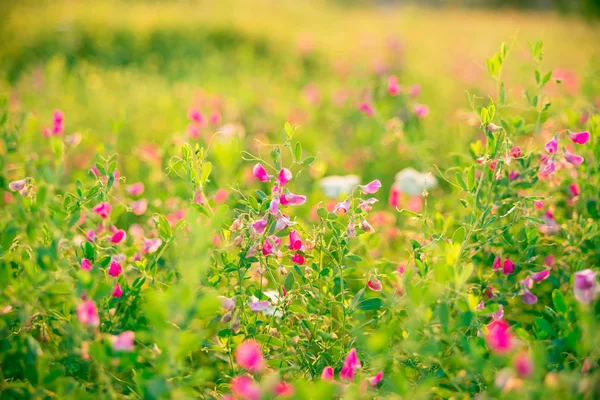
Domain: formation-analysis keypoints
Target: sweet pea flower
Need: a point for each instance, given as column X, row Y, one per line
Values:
column 415, row 90
column 574, row 189
column 579, row 137
column 573, row 158
column 552, row 145
column 115, row 269
column 270, row 244
column 283, row 389
column 245, row 388
column 274, row 206
column 248, row 355
column 343, row 207
column 515, row 152
column 586, row 287
column 393, row 86
column 283, row 222
column 375, row 285
column 327, row 374
column 227, row 303
column 508, row 267
column 366, row 108
column 118, row 236
column 86, row 265
column 88, row 313
column 196, row 116
column 135, row 189
column 540, row 276
column 102, row 209
column 295, row 241
column 139, row 207
column 117, row 292
column 375, row 380
column 258, row 306
column 215, row 118
column 90, row 235
column 365, row 205
column 365, row 226
column 17, row 186
column 150, row 246
column 260, row 173
column 291, row 199
column 421, row 110
column 351, row 364
column 497, row 263
column 284, row 176
column 371, row 187
column 528, row 298
column 498, row 336
column 221, row 195
column 260, row 225
column 394, row 198
column 123, row 341
column 523, row 364
column 298, row 259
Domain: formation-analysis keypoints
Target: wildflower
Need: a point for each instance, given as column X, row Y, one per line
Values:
column 498, row 336
column 196, row 116
column 118, row 236
column 86, row 265
column 295, row 242
column 248, row 355
column 90, row 235
column 552, row 145
column 365, row 226
column 17, row 186
column 292, row 199
column 115, row 269
column 151, row 245
column 260, row 225
column 123, row 341
column 393, row 86
column 258, row 306
column 260, row 173
column 523, row 364
column 586, row 288
column 139, row 207
column 342, row 207
column 375, row 380
column 274, row 206
column 415, row 90
column 136, row 189
column 297, row 258
column 102, row 209
column 284, row 176
column 513, row 175
column 283, row 222
column 497, row 263
column 579, row 137
column 88, row 313
column 375, row 285
column 270, row 244
column 573, row 158
column 117, row 292
column 351, row 230
column 221, row 195
column 283, row 389
column 515, row 152
column 245, row 388
column 421, row 110
column 227, row 303
column 540, row 276
column 215, row 118
column 371, row 187
column 508, row 267
column 528, row 298
column 366, row 108
column 327, row 374
column 365, row 205
column 394, row 198
column 351, row 364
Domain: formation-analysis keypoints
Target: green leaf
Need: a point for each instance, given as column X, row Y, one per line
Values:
column 298, row 152
column 289, row 281
column 559, row 301
column 370, row 304
column 544, row 327
column 461, row 182
column 206, row 169
column 459, row 235
column 308, row 161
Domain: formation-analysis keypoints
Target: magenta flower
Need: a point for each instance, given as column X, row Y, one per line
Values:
column 260, row 225
column 351, row 364
column 552, row 145
column 375, row 380
column 196, row 116
column 523, row 364
column 291, row 199
column 115, row 269
column 283, row 389
column 244, row 388
column 136, row 189
column 248, row 355
column 508, row 267
column 260, row 173
column 117, row 292
column 515, row 152
column 579, row 137
column 573, row 158
column 274, row 206
column 283, row 222
column 342, row 207
column 366, row 108
column 586, row 288
column 86, row 265
column 284, row 176
column 151, row 245
column 528, row 298
column 540, row 276
column 139, row 207
column 421, row 110
column 270, row 245
column 258, row 306
column 415, row 90
column 375, row 285
column 90, row 235
column 102, row 209
column 297, row 258
column 371, row 187
column 393, row 87
column 88, row 313
column 497, row 263
column 123, row 341
column 118, row 236
column 215, row 117
column 295, row 241
column 17, row 186
column 327, row 374
column 498, row 336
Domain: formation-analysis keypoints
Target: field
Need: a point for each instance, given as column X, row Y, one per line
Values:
column 310, row 200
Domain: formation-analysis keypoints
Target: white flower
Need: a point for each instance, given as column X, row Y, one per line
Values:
column 413, row 182
column 335, row 185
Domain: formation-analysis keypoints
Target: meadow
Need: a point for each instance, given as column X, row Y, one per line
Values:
column 308, row 200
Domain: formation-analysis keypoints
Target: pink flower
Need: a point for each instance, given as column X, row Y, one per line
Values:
column 284, row 176
column 528, row 298
column 58, row 117
column 136, row 189
column 139, row 207
column 540, row 276
column 245, row 388
column 366, row 108
column 523, row 364
column 415, row 90
column 552, row 145
column 375, row 285
column 513, row 175
column 196, row 116
column 421, row 110
column 586, row 288
column 497, row 263
column 508, row 267
column 215, row 117
column 574, row 189
column 123, row 341
column 351, row 364
column 118, row 236
column 295, row 242
column 393, row 87
column 258, row 306
column 342, row 208
column 260, row 173
column 515, row 152
column 579, row 137
column 17, row 186
column 291, row 199
column 88, row 313
column 221, row 195
column 538, row 204
column 498, row 336
column 274, row 206
column 283, row 389
column 327, row 374
column 117, row 292
column 371, row 187
column 248, row 355
column 86, row 265
column 260, row 225
column 90, row 235
column 297, row 259
column 573, row 158
column 150, row 246
column 115, row 269
column 365, row 205
column 394, row 198
column 193, row 131
column 102, row 209
column 270, row 245
column 227, row 303
column 375, row 380
column 283, row 222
